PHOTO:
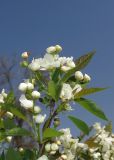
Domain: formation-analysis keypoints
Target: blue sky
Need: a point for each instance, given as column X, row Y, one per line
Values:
column 78, row 26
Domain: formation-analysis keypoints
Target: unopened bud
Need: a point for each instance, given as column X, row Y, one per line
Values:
column 48, row 147
column 79, row 75
column 9, row 115
column 51, row 49
column 87, row 78
column 36, row 94
column 37, row 109
column 56, row 122
column 22, row 87
column 25, row 55
column 21, row 150
column 52, row 152
column 63, row 156
column 9, row 138
column 58, row 48
column 54, row 147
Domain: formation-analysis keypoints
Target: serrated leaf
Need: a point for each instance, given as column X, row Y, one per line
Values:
column 50, row 132
column 80, row 124
column 13, row 155
column 92, row 107
column 80, row 64
column 88, row 91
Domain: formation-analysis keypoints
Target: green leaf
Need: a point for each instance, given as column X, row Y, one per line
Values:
column 55, row 76
column 13, row 155
column 91, row 107
column 20, row 115
column 17, row 132
column 80, row 124
column 88, row 91
column 10, row 97
column 52, row 89
column 50, row 132
column 9, row 123
column 80, row 64
column 83, row 61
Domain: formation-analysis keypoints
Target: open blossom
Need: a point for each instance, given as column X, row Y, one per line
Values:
column 25, row 103
column 66, row 92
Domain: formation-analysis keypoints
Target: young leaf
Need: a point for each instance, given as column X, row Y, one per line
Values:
column 80, row 64
column 87, row 91
column 80, row 124
column 13, row 155
column 17, row 132
column 91, row 107
column 52, row 89
column 10, row 97
column 83, row 61
column 50, row 132
column 55, row 75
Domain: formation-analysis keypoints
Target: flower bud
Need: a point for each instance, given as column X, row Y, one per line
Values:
column 48, row 147
column 25, row 55
column 39, row 118
column 22, row 87
column 58, row 48
column 79, row 75
column 30, row 86
column 51, row 49
column 9, row 115
column 9, row 138
column 56, row 122
column 37, row 109
column 36, row 94
column 87, row 78
column 64, row 157
column 21, row 150
column 65, row 68
column 52, row 152
column 24, row 64
column 54, row 147
column 58, row 142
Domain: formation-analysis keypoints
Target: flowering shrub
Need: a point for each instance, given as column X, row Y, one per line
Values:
column 29, row 123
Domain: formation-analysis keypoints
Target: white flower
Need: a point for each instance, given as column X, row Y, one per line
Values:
column 37, row 109
column 97, row 127
column 2, row 96
column 54, row 147
column 77, row 88
column 36, row 94
column 58, row 48
column 30, row 86
column 44, row 157
column 65, row 68
column 39, row 118
column 66, row 92
column 35, row 64
column 24, row 55
column 27, row 104
column 87, row 78
column 48, row 147
column 79, row 76
column 9, row 138
column 51, row 49
column 52, row 152
column 22, row 87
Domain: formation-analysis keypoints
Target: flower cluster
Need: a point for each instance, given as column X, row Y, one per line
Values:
column 53, row 85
